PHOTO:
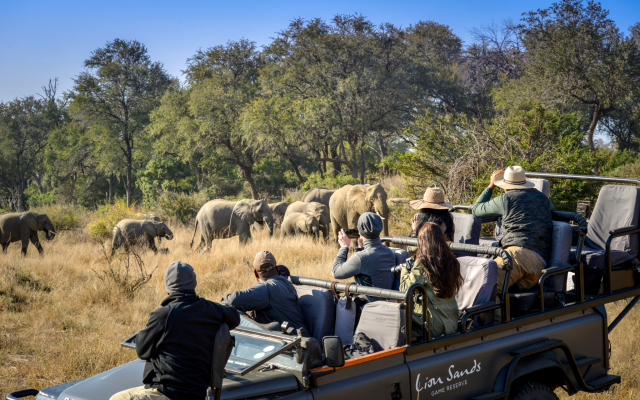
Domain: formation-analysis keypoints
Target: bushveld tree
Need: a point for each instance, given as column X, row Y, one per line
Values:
column 24, row 126
column 118, row 90
column 576, row 54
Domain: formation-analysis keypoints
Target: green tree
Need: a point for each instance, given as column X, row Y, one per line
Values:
column 575, row 54
column 118, row 91
column 165, row 174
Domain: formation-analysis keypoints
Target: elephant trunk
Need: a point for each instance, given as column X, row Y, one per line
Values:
column 316, row 232
column 269, row 221
column 383, row 211
column 49, row 233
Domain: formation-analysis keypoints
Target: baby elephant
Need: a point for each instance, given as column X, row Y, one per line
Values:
column 298, row 223
column 132, row 231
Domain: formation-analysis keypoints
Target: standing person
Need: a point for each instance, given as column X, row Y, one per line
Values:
column 526, row 224
column 432, row 208
column 372, row 263
column 273, row 298
column 437, row 268
column 177, row 343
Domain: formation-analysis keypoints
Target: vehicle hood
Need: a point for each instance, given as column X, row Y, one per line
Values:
column 129, row 375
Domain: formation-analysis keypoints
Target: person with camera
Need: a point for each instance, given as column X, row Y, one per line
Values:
column 272, row 299
column 372, row 263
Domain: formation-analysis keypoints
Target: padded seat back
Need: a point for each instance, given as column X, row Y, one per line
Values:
column 467, row 230
column 542, row 185
column 560, row 254
column 480, row 280
column 384, row 323
column 318, row 310
column 617, row 207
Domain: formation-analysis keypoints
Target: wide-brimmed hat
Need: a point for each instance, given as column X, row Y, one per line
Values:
column 433, row 198
column 513, row 178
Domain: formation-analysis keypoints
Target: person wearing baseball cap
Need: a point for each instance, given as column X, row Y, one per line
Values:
column 273, row 298
column 526, row 225
column 178, row 341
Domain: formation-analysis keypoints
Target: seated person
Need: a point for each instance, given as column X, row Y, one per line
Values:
column 526, row 224
column 372, row 263
column 437, row 268
column 273, row 299
column 178, row 341
column 432, row 208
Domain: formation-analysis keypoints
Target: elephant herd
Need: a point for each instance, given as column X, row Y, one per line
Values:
column 320, row 212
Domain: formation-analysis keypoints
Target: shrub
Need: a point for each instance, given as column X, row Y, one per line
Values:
column 314, row 180
column 127, row 272
column 64, row 216
column 180, row 206
column 106, row 217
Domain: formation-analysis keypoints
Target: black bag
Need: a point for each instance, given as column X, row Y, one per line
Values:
column 361, row 346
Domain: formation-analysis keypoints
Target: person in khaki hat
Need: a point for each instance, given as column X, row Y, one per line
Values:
column 272, row 299
column 432, row 208
column 526, row 224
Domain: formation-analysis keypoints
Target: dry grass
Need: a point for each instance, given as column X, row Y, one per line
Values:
column 60, row 322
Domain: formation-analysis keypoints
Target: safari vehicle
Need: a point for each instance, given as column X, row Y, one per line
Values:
column 556, row 336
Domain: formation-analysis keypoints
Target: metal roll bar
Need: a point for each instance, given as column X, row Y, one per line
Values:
column 415, row 293
column 545, row 175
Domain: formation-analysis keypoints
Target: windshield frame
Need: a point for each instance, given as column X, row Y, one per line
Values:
column 291, row 341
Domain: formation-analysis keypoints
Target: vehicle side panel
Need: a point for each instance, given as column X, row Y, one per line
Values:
column 376, row 379
column 468, row 371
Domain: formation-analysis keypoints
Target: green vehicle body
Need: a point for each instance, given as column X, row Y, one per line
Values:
column 565, row 346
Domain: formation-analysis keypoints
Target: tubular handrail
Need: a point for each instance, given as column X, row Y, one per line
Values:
column 545, row 175
column 628, row 230
column 409, row 307
column 359, row 289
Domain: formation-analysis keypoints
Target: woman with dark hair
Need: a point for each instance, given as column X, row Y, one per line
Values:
column 437, row 268
column 432, row 208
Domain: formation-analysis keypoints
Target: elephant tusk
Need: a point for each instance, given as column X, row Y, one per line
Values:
column 380, row 215
column 53, row 232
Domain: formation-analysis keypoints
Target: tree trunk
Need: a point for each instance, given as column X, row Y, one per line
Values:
column 252, row 184
column 353, row 162
column 20, row 205
column 362, row 162
column 594, row 122
column 383, row 153
column 74, row 178
column 337, row 167
column 326, row 155
column 112, row 178
column 297, row 170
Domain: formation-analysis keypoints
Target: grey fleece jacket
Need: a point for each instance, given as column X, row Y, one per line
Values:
column 276, row 299
column 370, row 267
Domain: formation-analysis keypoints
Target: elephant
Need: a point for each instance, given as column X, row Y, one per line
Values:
column 129, row 232
column 278, row 210
column 297, row 223
column 351, row 201
column 24, row 226
column 224, row 219
column 320, row 195
column 318, row 210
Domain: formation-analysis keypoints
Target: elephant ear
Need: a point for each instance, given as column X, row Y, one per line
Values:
column 357, row 199
column 244, row 211
column 150, row 227
column 301, row 223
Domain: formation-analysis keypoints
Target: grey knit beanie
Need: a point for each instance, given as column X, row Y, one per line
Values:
column 180, row 278
column 370, row 225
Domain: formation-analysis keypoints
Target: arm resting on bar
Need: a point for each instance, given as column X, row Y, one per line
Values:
column 564, row 216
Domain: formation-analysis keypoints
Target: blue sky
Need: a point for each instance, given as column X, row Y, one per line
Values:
column 41, row 39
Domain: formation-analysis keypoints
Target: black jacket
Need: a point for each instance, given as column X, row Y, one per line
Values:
column 276, row 299
column 177, row 345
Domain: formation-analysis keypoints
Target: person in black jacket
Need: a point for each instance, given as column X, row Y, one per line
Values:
column 178, row 341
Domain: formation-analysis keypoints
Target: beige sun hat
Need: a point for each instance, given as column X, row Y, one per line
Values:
column 433, row 198
column 513, row 178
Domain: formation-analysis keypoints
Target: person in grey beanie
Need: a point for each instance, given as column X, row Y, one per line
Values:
column 177, row 343
column 372, row 263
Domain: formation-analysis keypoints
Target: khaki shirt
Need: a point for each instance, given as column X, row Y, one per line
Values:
column 443, row 313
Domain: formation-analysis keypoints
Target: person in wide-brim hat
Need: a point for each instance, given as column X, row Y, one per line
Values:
column 526, row 224
column 433, row 199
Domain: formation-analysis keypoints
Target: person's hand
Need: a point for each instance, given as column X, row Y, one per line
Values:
column 343, row 240
column 414, row 222
column 493, row 177
column 360, row 242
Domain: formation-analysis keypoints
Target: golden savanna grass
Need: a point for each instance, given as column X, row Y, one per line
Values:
column 60, row 322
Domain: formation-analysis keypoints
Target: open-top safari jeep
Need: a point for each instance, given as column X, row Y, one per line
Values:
column 522, row 346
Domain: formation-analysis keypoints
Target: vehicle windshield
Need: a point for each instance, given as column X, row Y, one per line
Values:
column 255, row 346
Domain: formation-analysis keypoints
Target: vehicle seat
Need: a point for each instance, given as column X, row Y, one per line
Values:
column 318, row 310
column 384, row 323
column 480, row 281
column 617, row 207
column 527, row 300
column 467, row 230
